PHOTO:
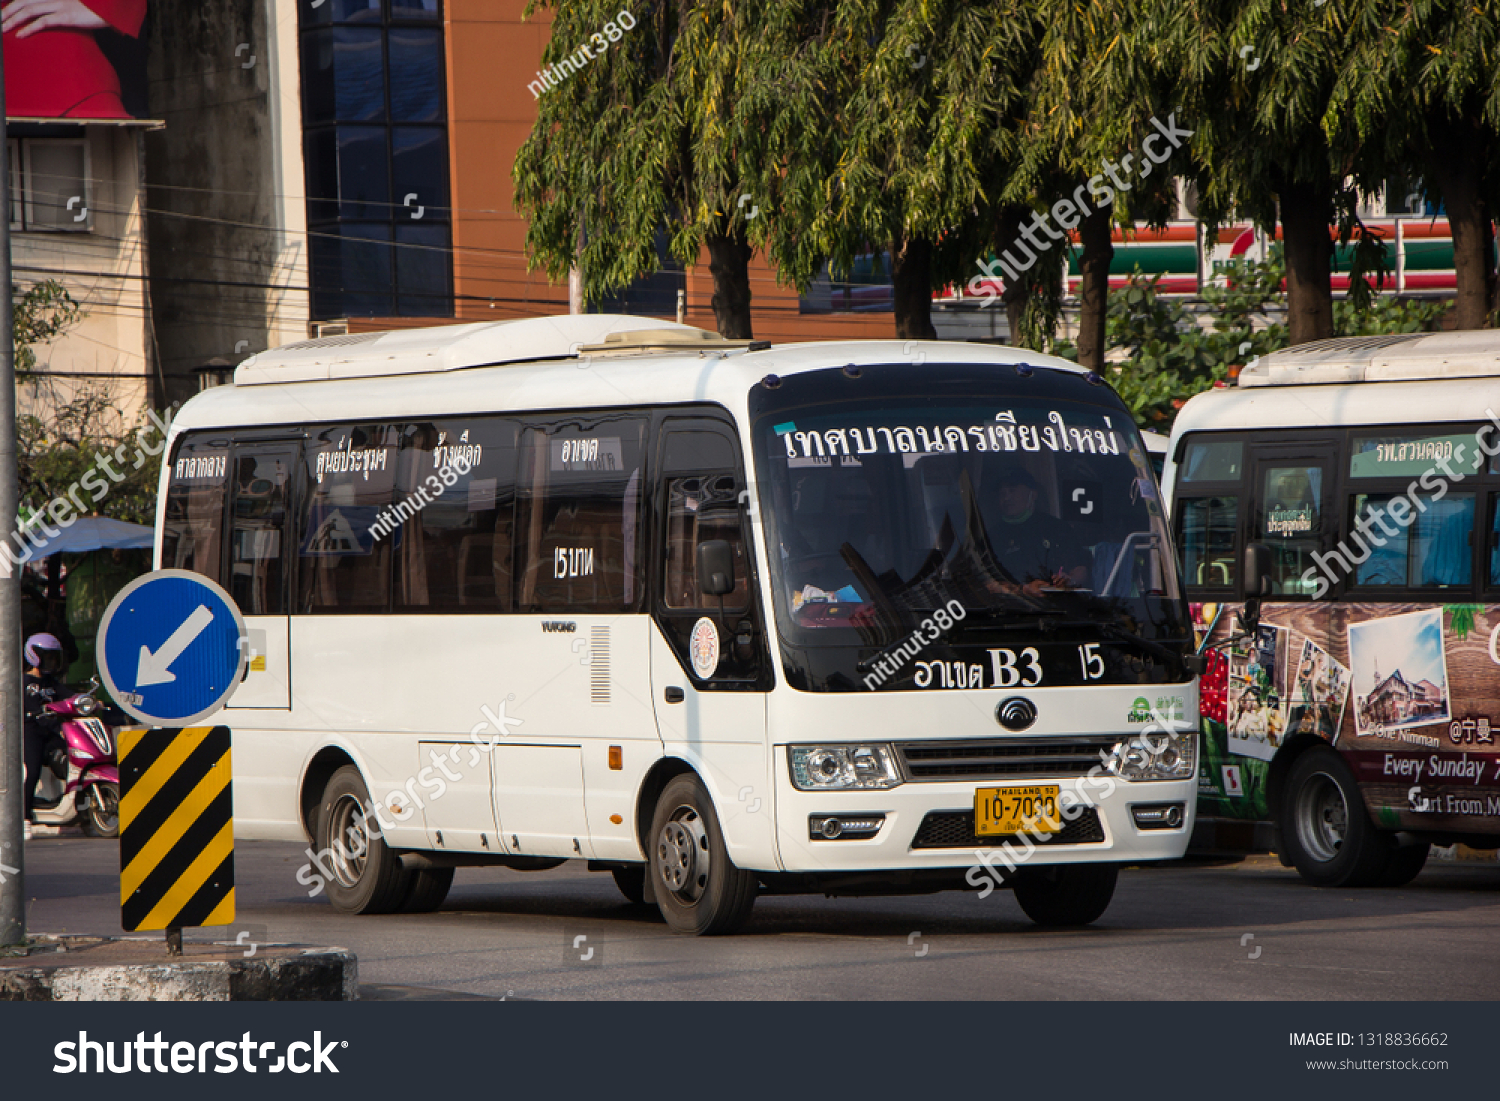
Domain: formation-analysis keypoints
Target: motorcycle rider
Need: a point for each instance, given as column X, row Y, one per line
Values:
column 43, row 684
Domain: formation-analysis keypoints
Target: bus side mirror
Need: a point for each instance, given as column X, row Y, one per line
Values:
column 1257, row 584
column 716, row 567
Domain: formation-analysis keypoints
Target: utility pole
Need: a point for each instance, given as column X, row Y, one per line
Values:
column 12, row 862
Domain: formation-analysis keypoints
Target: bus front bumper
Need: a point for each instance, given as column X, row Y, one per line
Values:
column 931, row 825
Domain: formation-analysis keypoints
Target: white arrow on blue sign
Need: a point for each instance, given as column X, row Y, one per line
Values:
column 171, row 647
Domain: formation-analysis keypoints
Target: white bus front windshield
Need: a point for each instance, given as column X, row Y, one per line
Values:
column 1017, row 510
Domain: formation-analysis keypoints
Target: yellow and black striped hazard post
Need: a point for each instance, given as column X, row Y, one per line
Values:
column 176, row 829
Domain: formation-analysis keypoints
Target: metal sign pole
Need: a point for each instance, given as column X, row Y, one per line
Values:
column 12, row 863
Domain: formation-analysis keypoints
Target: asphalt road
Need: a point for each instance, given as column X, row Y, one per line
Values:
column 1197, row 930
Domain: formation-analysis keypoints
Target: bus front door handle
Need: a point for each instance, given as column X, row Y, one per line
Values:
column 674, row 694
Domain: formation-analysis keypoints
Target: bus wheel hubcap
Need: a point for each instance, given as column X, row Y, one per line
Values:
column 348, row 840
column 682, row 854
column 1323, row 817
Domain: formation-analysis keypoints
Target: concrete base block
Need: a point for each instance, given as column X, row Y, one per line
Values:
column 138, row 969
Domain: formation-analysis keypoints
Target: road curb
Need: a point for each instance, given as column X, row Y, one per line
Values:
column 137, row 969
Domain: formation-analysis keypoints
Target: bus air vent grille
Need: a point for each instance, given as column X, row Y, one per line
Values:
column 995, row 758
column 954, row 829
column 599, row 664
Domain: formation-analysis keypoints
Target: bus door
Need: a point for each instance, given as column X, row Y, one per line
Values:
column 259, row 555
column 1292, row 509
column 710, row 668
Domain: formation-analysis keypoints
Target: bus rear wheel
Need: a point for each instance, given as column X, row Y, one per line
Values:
column 429, row 887
column 1328, row 833
column 1405, row 862
column 698, row 889
column 367, row 878
column 1066, row 894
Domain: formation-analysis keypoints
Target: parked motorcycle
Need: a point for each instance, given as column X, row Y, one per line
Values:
column 80, row 783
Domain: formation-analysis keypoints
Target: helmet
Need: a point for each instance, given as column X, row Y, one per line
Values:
column 45, row 653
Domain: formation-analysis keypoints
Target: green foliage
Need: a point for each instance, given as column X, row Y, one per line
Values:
column 1169, row 355
column 53, row 456
column 43, row 311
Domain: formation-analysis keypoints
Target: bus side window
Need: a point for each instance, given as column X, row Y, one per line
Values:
column 456, row 553
column 1291, row 523
column 348, row 519
column 262, row 485
column 578, row 514
column 1206, row 530
column 193, row 524
column 702, row 507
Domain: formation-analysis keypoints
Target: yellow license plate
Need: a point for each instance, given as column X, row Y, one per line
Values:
column 1011, row 810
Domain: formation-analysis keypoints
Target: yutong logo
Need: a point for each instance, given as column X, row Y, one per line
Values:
column 566, row 626
column 187, row 1058
column 1016, row 713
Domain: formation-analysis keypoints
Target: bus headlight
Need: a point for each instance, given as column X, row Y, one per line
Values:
column 1158, row 756
column 843, row 767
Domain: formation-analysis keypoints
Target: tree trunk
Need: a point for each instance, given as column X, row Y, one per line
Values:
column 1458, row 170
column 1306, row 217
column 1093, row 295
column 911, row 276
column 1018, row 291
column 729, row 264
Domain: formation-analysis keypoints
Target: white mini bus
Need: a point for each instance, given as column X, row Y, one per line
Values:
column 716, row 617
column 1361, row 478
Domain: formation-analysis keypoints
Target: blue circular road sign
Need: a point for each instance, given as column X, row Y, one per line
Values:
column 170, row 647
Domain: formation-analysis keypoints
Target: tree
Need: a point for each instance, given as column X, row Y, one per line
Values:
column 1099, row 84
column 53, row 454
column 921, row 86
column 671, row 129
column 1255, row 81
column 1170, row 355
column 1419, row 84
column 41, row 313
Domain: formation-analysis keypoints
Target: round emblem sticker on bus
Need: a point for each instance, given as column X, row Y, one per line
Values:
column 704, row 648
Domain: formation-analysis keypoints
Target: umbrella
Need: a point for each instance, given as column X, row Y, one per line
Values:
column 91, row 533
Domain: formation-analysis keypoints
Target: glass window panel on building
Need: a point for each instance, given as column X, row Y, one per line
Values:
column 424, row 285
column 419, row 167
column 352, row 272
column 343, row 75
column 369, row 72
column 416, row 75
column 342, row 11
column 414, row 11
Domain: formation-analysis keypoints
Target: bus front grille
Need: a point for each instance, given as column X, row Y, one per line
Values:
column 954, row 829
column 1009, row 757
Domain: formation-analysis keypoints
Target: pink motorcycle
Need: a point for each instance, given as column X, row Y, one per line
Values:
column 80, row 782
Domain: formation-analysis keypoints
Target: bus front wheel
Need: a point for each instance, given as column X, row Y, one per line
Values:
column 698, row 889
column 1066, row 894
column 367, row 878
column 1328, row 833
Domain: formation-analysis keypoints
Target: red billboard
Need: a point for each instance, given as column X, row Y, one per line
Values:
column 77, row 59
